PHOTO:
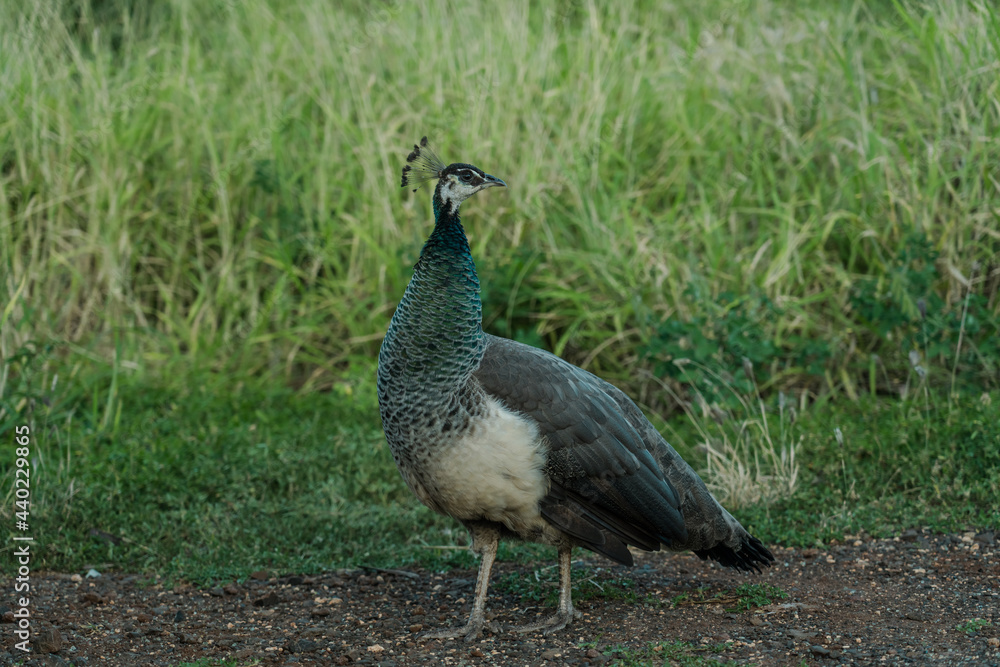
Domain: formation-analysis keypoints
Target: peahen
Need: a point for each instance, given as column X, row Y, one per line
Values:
column 516, row 443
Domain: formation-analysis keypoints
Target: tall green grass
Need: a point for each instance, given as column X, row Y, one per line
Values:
column 219, row 180
column 735, row 207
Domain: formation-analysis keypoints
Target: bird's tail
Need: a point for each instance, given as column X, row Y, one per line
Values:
column 751, row 556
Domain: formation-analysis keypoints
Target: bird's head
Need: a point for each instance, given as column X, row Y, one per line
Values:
column 456, row 182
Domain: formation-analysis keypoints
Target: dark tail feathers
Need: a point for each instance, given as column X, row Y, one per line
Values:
column 751, row 555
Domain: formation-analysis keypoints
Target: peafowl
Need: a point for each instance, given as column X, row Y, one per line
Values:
column 516, row 443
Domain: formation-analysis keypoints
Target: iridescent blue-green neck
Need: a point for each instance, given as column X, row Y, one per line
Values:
column 435, row 340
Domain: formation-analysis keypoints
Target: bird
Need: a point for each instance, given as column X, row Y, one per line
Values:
column 518, row 444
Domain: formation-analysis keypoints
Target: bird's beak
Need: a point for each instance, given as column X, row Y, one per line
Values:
column 493, row 181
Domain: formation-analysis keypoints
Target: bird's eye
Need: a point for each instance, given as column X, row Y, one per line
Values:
column 466, row 177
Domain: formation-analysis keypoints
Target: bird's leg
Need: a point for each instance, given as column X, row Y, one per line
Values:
column 565, row 614
column 484, row 542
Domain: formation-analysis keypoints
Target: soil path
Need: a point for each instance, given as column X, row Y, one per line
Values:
column 912, row 600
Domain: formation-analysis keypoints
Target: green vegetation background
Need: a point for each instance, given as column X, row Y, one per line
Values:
column 775, row 224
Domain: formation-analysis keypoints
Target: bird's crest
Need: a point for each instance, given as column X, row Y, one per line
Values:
column 422, row 165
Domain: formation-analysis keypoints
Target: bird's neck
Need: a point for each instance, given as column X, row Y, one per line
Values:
column 437, row 327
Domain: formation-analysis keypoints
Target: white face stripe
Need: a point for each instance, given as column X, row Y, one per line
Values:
column 466, row 170
column 462, row 182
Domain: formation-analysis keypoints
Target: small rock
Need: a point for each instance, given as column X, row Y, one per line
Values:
column 302, row 646
column 93, row 598
column 294, row 580
column 416, row 627
column 755, row 621
column 819, row 650
column 909, row 535
column 243, row 653
column 47, row 640
column 179, row 616
column 216, row 592
column 993, row 642
column 8, row 617
column 800, row 635
column 915, row 616
column 231, row 589
column 259, row 575
column 987, row 537
column 320, row 612
column 551, row 654
column 476, row 653
column 93, row 574
column 268, row 600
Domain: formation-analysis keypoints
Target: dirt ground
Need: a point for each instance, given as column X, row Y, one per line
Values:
column 904, row 601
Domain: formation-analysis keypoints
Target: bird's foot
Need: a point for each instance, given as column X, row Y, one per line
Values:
column 470, row 631
column 553, row 623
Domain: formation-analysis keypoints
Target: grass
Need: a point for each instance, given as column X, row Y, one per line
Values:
column 973, row 626
column 680, row 653
column 751, row 596
column 220, row 179
column 746, row 596
column 543, row 587
column 773, row 224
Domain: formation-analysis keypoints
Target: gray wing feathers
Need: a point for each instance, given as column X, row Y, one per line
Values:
column 613, row 479
column 707, row 522
column 607, row 465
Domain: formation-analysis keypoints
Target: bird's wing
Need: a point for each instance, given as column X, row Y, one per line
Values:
column 604, row 478
column 610, row 470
